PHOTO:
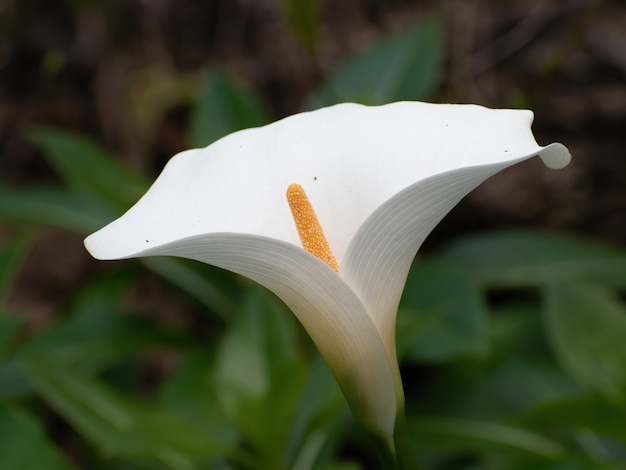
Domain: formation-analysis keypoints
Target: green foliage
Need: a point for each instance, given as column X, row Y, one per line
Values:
column 450, row 433
column 53, row 207
column 11, row 256
column 97, row 336
column 258, row 347
column 87, row 170
column 9, row 326
column 552, row 385
column 23, row 443
column 96, row 190
column 191, row 392
column 442, row 314
column 518, row 259
column 223, row 107
column 587, row 326
column 205, row 284
column 407, row 66
column 590, row 413
column 117, row 426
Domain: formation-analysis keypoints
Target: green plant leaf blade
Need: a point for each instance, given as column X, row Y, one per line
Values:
column 526, row 258
column 589, row 413
column 586, row 326
column 54, row 207
column 11, row 256
column 199, row 281
column 191, row 392
column 23, row 444
column 406, row 66
column 259, row 375
column 9, row 326
column 222, row 108
column 96, row 337
column 14, row 381
column 464, row 433
column 118, row 426
column 259, row 343
column 88, row 169
column 321, row 413
column 443, row 312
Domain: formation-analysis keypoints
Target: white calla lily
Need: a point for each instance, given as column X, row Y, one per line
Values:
column 379, row 179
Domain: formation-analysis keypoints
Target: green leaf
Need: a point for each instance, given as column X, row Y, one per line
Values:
column 523, row 372
column 259, row 375
column 11, row 257
column 118, row 426
column 98, row 332
column 105, row 292
column 338, row 466
column 98, row 337
column 61, row 209
column 9, row 326
column 191, row 392
column 222, row 108
column 88, row 169
column 525, row 258
column 587, row 329
column 200, row 281
column 321, row 410
column 589, row 413
column 521, row 383
column 55, row 207
column 267, row 421
column 303, row 19
column 23, row 444
column 407, row 66
column 444, row 312
column 471, row 434
column 567, row 463
column 14, row 382
column 516, row 328
column 258, row 344
column 574, row 464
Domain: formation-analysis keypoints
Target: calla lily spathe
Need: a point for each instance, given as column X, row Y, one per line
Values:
column 379, row 179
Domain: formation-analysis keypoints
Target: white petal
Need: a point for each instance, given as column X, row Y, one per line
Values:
column 349, row 158
column 380, row 255
column 325, row 305
column 381, row 175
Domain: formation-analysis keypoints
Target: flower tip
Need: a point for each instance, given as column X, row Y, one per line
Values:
column 101, row 246
column 94, row 248
column 555, row 156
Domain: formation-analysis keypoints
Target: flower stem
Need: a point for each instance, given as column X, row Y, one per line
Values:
column 404, row 451
column 398, row 456
column 386, row 457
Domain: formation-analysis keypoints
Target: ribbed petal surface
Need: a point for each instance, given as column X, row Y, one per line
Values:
column 380, row 255
column 326, row 306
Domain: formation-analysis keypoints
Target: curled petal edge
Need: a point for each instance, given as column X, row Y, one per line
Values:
column 381, row 253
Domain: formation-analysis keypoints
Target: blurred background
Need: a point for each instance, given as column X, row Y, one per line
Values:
column 155, row 364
